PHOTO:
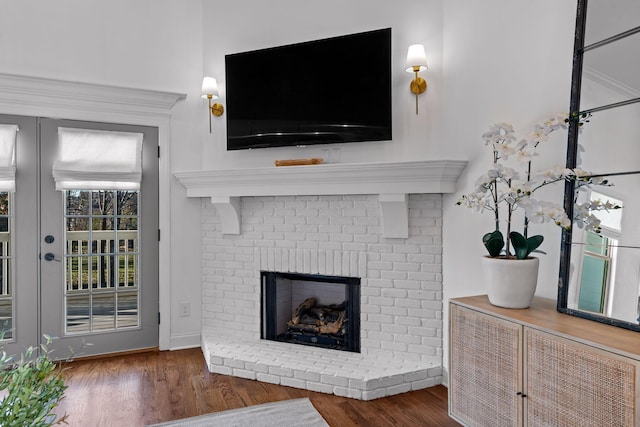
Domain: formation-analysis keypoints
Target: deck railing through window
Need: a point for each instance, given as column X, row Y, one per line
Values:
column 5, row 263
column 109, row 263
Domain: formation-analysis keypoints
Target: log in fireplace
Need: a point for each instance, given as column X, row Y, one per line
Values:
column 309, row 309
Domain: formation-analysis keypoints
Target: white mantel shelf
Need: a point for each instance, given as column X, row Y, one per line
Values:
column 393, row 181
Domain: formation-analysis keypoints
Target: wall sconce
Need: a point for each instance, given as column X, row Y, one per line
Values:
column 210, row 91
column 416, row 62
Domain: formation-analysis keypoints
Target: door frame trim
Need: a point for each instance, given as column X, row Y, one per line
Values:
column 42, row 97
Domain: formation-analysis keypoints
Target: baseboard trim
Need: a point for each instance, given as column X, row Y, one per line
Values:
column 117, row 354
column 445, row 377
column 181, row 342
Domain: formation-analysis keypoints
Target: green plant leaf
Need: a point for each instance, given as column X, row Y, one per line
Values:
column 494, row 242
column 32, row 386
column 523, row 247
column 533, row 242
column 519, row 244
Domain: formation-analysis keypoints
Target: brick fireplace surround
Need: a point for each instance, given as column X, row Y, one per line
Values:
column 392, row 240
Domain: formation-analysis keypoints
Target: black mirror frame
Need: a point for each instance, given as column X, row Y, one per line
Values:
column 569, row 189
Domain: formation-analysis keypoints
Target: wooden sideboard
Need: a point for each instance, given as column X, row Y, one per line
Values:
column 539, row 367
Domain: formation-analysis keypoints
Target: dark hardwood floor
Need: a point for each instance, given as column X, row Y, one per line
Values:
column 145, row 388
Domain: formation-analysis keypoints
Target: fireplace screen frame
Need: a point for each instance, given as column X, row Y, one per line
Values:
column 268, row 310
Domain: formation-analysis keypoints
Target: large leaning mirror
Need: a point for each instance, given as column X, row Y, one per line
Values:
column 600, row 268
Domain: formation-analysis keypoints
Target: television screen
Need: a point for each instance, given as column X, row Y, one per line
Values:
column 320, row 92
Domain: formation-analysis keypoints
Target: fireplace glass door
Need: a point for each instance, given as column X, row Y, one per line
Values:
column 315, row 310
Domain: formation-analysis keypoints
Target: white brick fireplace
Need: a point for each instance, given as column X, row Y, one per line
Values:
column 381, row 223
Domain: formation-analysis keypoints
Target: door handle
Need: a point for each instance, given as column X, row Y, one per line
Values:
column 51, row 257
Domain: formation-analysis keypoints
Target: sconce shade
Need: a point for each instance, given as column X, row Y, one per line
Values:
column 209, row 88
column 416, row 58
column 209, row 91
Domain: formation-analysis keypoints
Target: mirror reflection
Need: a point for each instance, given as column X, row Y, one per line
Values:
column 612, row 71
column 608, row 280
column 600, row 280
column 611, row 141
column 605, row 267
column 606, row 18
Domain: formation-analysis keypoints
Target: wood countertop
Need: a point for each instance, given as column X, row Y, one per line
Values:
column 543, row 315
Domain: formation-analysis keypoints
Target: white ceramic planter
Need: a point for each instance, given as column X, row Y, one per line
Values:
column 510, row 283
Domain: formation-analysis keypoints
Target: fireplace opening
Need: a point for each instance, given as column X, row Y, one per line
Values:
column 309, row 309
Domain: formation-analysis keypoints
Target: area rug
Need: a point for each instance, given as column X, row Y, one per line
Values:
column 294, row 412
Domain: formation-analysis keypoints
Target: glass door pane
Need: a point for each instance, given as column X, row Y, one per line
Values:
column 101, row 260
column 6, row 266
column 19, row 244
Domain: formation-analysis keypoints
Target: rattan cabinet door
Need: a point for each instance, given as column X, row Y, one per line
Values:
column 485, row 368
column 573, row 384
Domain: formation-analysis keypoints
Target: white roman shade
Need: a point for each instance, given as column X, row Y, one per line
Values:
column 8, row 157
column 98, row 160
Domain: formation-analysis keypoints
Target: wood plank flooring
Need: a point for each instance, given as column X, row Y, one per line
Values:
column 145, row 388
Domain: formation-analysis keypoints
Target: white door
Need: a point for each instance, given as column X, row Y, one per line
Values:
column 97, row 251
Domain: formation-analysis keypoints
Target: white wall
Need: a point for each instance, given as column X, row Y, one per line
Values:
column 247, row 25
column 504, row 61
column 148, row 44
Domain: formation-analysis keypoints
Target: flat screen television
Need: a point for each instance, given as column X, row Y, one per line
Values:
column 327, row 91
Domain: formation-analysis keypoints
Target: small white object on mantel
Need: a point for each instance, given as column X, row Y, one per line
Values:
column 391, row 180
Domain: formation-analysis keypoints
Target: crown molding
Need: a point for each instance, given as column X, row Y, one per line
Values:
column 37, row 96
column 610, row 83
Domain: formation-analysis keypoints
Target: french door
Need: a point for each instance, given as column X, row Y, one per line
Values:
column 86, row 260
column 19, row 316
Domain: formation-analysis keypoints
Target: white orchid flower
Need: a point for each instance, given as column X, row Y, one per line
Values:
column 476, row 201
column 526, row 154
column 511, row 197
column 499, row 171
column 555, row 122
column 565, row 222
column 580, row 173
column 553, row 211
column 552, row 174
column 504, row 151
column 499, row 133
column 533, row 210
column 539, row 133
column 484, row 181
